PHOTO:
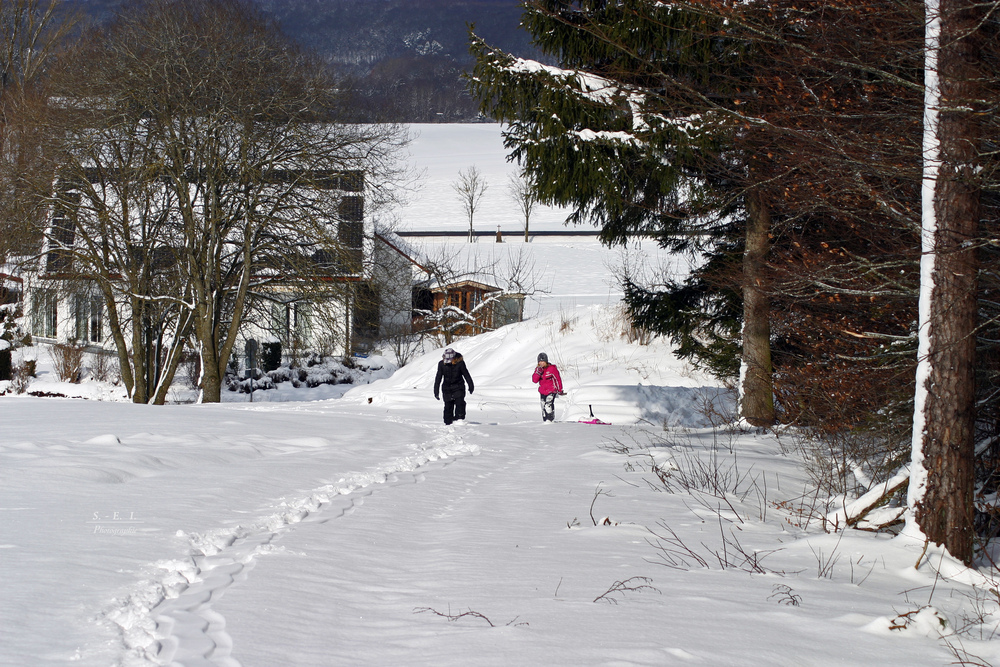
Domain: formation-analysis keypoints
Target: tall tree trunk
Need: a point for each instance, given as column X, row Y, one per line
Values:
column 941, row 494
column 174, row 355
column 211, row 368
column 211, row 378
column 756, row 390
column 118, row 337
column 140, row 367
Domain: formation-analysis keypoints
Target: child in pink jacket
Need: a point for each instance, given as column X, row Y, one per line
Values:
column 546, row 376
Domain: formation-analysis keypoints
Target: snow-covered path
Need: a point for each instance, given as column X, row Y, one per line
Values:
column 352, row 540
column 361, row 531
column 188, row 628
column 174, row 517
column 462, row 540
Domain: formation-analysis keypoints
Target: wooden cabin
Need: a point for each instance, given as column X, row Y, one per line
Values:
column 474, row 307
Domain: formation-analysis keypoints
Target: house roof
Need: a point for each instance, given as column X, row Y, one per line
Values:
column 404, row 249
column 464, row 284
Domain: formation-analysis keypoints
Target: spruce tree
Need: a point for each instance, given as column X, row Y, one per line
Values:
column 634, row 129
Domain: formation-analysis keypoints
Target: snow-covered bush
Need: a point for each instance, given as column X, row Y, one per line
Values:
column 316, row 371
column 11, row 338
column 246, row 385
column 320, row 376
column 21, row 378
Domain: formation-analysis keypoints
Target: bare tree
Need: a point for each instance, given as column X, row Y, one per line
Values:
column 470, row 188
column 214, row 144
column 522, row 193
column 31, row 33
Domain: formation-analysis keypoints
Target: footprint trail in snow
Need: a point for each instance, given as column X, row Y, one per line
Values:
column 169, row 619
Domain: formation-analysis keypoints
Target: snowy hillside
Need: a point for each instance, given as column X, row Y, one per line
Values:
column 623, row 382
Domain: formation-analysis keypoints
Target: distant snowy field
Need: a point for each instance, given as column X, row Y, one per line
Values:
column 567, row 271
column 348, row 526
column 437, row 153
column 563, row 272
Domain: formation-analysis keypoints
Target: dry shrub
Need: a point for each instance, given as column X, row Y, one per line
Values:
column 849, row 462
column 620, row 325
column 633, row 333
column 67, row 361
column 104, row 367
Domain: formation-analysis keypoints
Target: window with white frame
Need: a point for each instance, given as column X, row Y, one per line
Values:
column 45, row 314
column 279, row 321
column 292, row 322
column 303, row 322
column 89, row 316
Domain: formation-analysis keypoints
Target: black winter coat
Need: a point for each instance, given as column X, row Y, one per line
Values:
column 450, row 376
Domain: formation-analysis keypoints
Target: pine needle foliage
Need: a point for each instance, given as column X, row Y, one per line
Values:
column 633, row 128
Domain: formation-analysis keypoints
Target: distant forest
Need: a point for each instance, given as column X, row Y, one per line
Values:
column 403, row 59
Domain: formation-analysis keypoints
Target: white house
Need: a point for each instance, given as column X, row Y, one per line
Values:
column 369, row 290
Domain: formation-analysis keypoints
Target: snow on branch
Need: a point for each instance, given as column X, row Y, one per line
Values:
column 591, row 87
column 856, row 513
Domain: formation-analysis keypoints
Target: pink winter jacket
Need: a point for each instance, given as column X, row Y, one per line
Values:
column 547, row 379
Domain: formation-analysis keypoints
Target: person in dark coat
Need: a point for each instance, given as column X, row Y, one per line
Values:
column 452, row 376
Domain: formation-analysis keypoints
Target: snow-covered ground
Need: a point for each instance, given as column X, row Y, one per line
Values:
column 362, row 531
column 349, row 526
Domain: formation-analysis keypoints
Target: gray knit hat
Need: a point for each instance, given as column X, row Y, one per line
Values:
column 543, row 357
